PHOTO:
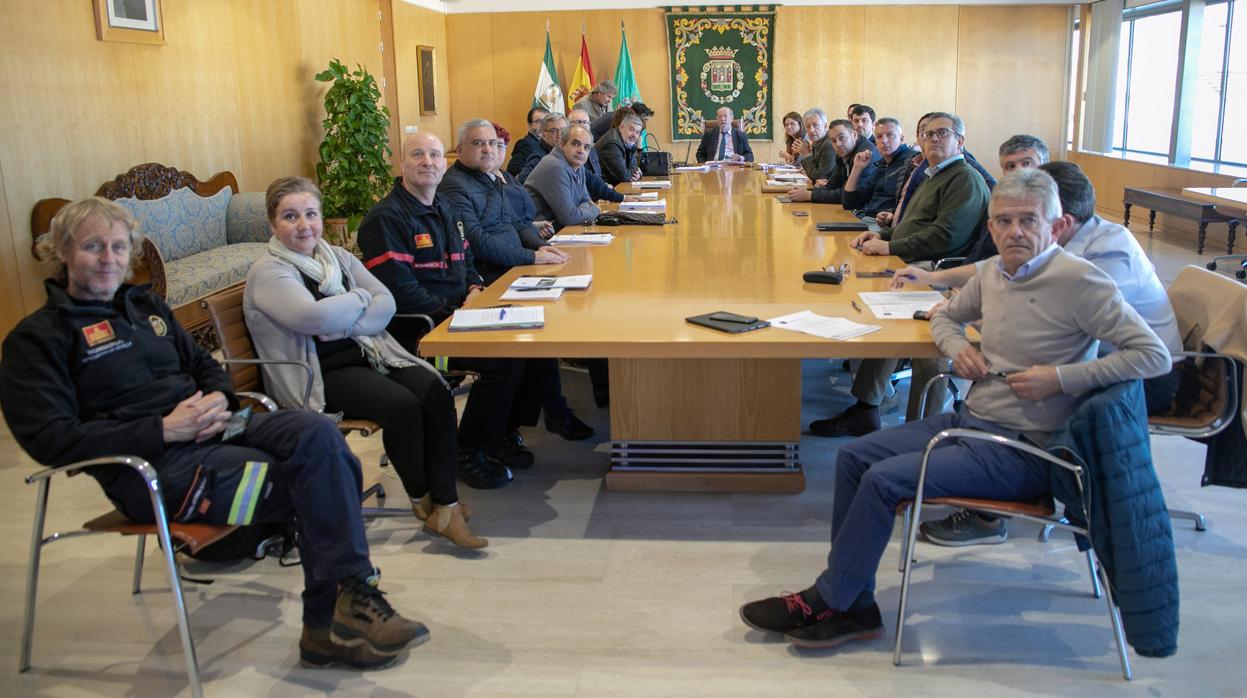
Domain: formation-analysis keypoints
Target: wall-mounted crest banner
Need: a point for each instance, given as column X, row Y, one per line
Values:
column 721, row 56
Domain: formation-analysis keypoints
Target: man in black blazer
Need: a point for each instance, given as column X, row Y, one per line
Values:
column 722, row 142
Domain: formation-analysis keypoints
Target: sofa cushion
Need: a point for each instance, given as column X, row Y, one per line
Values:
column 210, row 271
column 182, row 223
column 245, row 219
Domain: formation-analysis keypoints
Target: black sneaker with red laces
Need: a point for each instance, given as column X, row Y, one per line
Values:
column 838, row 627
column 786, row 612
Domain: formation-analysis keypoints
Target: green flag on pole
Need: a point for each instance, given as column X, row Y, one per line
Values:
column 625, row 79
column 549, row 95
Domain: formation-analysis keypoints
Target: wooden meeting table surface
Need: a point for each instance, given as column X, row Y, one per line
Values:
column 733, row 249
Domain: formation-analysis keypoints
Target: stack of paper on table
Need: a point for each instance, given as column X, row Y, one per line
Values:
column 576, row 281
column 835, row 328
column 583, row 239
column 692, row 168
column 498, row 318
column 900, row 305
column 533, row 294
column 773, row 185
column 644, row 206
column 652, row 184
column 645, row 196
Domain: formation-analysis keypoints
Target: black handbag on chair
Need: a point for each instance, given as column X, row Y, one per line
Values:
column 654, row 163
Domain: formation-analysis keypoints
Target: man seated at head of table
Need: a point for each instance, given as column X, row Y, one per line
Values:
column 1114, row 251
column 610, row 120
column 818, row 155
column 848, row 145
column 941, row 221
column 867, row 196
column 1047, row 360
column 863, row 118
column 723, row 142
column 557, row 184
column 617, row 148
column 551, row 132
column 598, row 101
column 502, row 238
column 527, row 144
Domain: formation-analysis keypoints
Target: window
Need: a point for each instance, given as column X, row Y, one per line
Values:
column 1234, row 123
column 1146, row 85
column 1151, row 68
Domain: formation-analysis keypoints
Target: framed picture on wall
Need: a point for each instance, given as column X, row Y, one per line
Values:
column 428, row 94
column 129, row 21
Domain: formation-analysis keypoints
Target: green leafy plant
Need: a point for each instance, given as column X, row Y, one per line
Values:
column 354, row 167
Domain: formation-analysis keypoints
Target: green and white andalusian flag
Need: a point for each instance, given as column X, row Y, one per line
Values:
column 549, row 95
column 625, row 79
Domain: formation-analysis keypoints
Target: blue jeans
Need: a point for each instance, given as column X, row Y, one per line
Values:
column 877, row 472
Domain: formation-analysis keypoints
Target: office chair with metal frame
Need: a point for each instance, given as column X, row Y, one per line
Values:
column 1031, row 511
column 172, row 538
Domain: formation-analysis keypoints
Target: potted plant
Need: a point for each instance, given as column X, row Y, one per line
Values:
column 354, row 167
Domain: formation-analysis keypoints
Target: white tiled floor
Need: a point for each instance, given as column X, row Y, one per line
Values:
column 592, row 593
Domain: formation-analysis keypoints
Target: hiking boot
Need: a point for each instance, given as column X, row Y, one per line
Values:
column 858, row 420
column 565, row 423
column 964, row 527
column 838, row 627
column 422, row 508
column 318, row 650
column 479, row 471
column 363, row 616
column 447, row 520
column 780, row 614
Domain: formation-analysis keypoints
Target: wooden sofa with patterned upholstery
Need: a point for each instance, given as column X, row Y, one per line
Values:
column 201, row 236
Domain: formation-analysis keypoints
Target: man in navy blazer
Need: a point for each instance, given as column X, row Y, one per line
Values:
column 722, row 142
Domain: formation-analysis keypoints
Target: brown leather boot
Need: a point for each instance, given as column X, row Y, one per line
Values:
column 422, row 508
column 448, row 521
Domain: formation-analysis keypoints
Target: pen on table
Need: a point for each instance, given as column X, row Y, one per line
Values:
column 856, row 307
column 502, row 313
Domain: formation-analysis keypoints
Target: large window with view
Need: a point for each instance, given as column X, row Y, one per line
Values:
column 1147, row 70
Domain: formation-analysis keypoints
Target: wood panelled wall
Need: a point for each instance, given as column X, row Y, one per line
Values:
column 902, row 60
column 232, row 89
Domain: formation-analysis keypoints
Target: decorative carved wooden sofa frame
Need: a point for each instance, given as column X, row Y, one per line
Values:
column 148, row 181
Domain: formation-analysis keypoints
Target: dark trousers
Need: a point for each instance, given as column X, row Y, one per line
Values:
column 417, row 417
column 287, row 463
column 876, row 472
column 487, row 414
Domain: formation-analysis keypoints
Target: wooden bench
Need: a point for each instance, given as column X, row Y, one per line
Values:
column 1175, row 203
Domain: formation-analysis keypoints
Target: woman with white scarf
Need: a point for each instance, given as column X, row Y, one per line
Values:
column 312, row 302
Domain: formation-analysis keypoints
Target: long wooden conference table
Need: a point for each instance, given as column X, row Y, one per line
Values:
column 694, row 409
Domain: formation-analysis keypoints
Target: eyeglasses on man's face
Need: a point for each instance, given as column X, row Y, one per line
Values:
column 938, row 133
column 481, row 143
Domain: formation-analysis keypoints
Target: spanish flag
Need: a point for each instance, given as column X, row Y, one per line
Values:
column 582, row 79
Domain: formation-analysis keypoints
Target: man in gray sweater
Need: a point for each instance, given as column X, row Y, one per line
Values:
column 1044, row 313
column 557, row 183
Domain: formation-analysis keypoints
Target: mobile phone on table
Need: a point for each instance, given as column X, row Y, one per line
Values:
column 801, row 214
column 733, row 317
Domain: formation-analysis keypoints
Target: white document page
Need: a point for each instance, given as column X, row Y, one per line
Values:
column 533, row 294
column 645, row 196
column 498, row 318
column 836, row 328
column 900, row 305
column 575, row 281
column 652, row 184
column 644, row 206
column 583, row 239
